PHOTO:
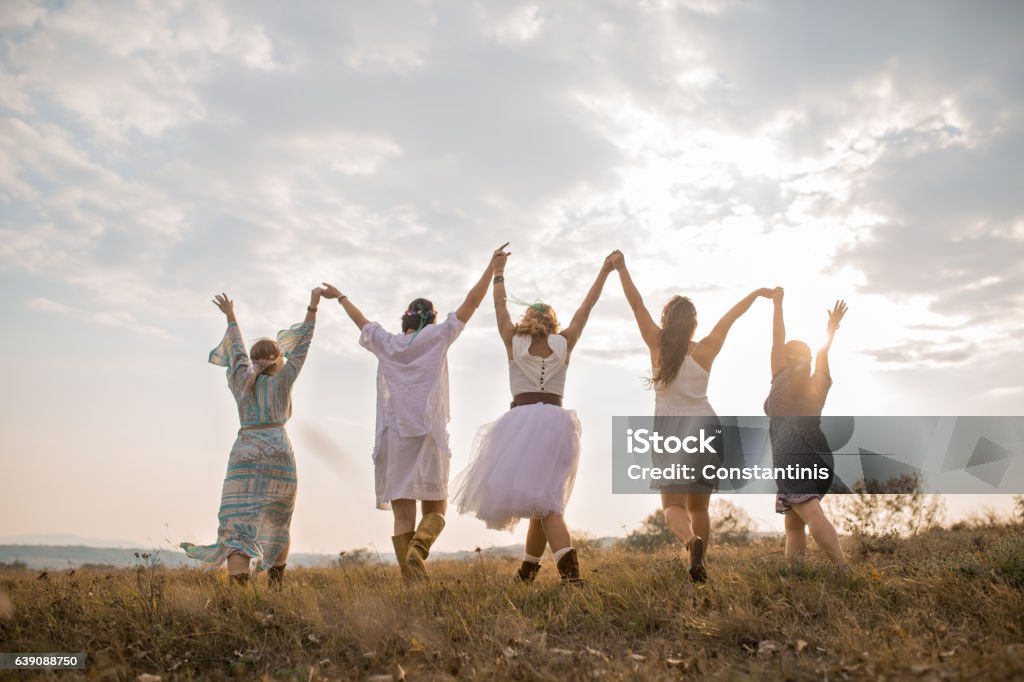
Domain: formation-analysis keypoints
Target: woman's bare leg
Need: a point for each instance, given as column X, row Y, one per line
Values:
column 822, row 530
column 556, row 531
column 536, row 538
column 796, row 536
column 434, row 507
column 700, row 520
column 238, row 564
column 282, row 558
column 405, row 515
column 676, row 517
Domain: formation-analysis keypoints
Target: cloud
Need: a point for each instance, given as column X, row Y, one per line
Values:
column 121, row 320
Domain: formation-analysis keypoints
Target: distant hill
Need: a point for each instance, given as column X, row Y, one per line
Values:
column 55, row 557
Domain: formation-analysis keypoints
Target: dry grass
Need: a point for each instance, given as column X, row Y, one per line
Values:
column 948, row 604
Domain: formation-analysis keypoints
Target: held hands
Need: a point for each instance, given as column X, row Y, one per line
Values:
column 314, row 296
column 614, row 261
column 835, row 316
column 330, row 291
column 499, row 258
column 225, row 305
column 764, row 292
column 776, row 295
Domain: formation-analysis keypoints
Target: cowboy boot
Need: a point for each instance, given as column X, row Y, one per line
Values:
column 528, row 571
column 569, row 568
column 426, row 533
column 401, row 545
column 695, row 548
column 275, row 576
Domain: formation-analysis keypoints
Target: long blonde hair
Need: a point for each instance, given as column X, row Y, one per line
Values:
column 678, row 322
column 538, row 320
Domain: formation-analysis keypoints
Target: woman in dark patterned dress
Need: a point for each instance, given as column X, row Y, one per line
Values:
column 794, row 404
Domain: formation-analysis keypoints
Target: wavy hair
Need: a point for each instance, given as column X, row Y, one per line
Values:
column 538, row 320
column 678, row 322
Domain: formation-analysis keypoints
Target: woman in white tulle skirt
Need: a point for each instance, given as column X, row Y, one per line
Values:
column 524, row 464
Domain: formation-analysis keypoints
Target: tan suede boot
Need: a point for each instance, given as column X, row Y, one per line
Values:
column 401, row 545
column 426, row 533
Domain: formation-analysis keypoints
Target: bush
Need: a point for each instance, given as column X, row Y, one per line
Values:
column 730, row 525
column 894, row 508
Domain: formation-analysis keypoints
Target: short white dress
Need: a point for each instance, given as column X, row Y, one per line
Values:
column 411, row 455
column 681, row 408
column 524, row 464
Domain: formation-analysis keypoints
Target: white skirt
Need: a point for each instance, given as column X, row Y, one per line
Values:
column 413, row 468
column 522, row 466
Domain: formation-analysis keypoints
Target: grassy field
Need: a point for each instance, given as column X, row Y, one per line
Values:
column 945, row 605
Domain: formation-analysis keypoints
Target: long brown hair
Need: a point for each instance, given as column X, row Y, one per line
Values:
column 538, row 320
column 678, row 322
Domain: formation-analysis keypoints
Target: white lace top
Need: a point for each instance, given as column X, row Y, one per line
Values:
column 531, row 374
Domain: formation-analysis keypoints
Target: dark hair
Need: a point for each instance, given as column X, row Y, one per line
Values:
column 419, row 314
column 678, row 322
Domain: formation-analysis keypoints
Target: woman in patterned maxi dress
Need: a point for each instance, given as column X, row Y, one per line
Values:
column 258, row 496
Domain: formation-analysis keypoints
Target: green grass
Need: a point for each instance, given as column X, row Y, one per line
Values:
column 948, row 604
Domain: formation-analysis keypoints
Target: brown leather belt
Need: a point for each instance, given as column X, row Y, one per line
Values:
column 253, row 427
column 536, row 397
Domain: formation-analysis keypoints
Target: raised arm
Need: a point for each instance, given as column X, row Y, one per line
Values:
column 709, row 347
column 835, row 316
column 573, row 332
column 649, row 329
column 505, row 326
column 354, row 314
column 226, row 306
column 479, row 290
column 778, row 332
column 314, row 301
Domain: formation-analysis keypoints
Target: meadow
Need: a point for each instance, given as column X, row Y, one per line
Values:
column 946, row 604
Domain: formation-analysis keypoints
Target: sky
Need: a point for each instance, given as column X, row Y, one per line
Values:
column 155, row 153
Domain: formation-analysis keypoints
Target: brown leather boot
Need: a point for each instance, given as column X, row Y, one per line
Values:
column 528, row 571
column 569, row 568
column 275, row 576
column 426, row 533
column 239, row 578
column 401, row 545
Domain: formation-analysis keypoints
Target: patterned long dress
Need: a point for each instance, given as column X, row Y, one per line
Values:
column 260, row 485
column 796, row 436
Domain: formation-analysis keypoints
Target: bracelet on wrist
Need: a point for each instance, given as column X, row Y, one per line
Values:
column 311, row 308
column 498, row 279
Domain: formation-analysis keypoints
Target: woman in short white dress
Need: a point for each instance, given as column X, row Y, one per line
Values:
column 680, row 372
column 411, row 455
column 524, row 465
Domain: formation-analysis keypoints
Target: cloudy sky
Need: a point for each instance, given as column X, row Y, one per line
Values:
column 154, row 153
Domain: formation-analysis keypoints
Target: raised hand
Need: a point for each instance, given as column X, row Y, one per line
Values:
column 614, row 261
column 835, row 316
column 499, row 258
column 224, row 304
column 765, row 292
column 330, row 291
column 777, row 294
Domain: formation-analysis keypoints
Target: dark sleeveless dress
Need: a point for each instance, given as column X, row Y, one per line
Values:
column 796, row 435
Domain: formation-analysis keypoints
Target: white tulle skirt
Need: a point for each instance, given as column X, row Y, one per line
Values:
column 522, row 466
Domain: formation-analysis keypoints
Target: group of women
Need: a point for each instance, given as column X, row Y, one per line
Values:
column 524, row 464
